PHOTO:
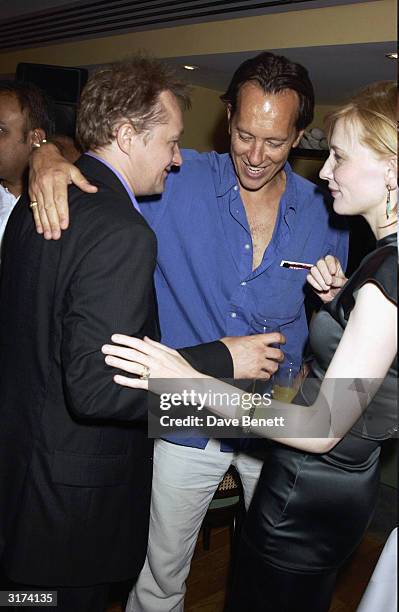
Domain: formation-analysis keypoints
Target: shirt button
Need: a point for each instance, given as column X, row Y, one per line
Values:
column 243, row 284
column 235, row 187
column 247, row 246
column 233, row 315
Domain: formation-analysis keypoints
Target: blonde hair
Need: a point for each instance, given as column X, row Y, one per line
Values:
column 374, row 110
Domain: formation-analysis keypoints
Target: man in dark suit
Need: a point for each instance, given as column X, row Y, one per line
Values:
column 75, row 460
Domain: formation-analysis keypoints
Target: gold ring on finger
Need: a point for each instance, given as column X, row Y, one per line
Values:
column 33, row 205
column 145, row 375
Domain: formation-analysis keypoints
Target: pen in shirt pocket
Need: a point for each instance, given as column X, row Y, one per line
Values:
column 295, row 265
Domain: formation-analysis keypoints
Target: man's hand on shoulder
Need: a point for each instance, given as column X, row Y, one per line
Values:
column 49, row 177
column 253, row 357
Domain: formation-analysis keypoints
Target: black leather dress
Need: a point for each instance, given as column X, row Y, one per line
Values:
column 310, row 511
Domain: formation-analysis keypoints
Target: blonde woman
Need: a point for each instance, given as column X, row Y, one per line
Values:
column 318, row 488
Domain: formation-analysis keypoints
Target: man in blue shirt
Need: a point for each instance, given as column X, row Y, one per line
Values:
column 224, row 225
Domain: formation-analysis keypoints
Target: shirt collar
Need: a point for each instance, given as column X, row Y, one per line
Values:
column 289, row 198
column 120, row 177
column 228, row 177
column 7, row 199
column 229, row 180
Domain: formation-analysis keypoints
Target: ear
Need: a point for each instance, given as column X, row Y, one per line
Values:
column 391, row 173
column 36, row 137
column 297, row 139
column 126, row 137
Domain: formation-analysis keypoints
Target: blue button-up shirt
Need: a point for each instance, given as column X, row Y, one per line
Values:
column 206, row 288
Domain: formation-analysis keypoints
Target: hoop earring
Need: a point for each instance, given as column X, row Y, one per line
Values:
column 388, row 207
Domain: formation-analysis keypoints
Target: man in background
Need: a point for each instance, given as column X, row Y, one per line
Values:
column 25, row 120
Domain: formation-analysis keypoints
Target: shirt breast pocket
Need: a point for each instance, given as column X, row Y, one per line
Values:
column 285, row 294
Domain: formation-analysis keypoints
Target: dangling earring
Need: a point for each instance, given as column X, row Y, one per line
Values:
column 388, row 207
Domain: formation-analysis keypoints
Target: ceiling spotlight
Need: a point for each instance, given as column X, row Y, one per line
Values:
column 188, row 67
column 391, row 55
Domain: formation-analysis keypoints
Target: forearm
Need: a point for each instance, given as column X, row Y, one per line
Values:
column 316, row 428
column 45, row 155
column 306, row 428
column 211, row 358
column 49, row 177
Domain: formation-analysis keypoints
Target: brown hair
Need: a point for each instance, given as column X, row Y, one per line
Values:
column 373, row 110
column 274, row 74
column 126, row 91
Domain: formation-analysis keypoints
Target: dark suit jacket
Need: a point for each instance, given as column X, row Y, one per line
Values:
column 75, row 460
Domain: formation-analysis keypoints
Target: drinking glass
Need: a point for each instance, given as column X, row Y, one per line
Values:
column 262, row 325
column 265, row 326
column 286, row 382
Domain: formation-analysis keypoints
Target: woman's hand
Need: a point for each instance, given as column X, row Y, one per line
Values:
column 140, row 356
column 327, row 278
column 49, row 176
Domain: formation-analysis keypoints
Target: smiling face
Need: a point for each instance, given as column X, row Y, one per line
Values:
column 262, row 132
column 154, row 152
column 356, row 176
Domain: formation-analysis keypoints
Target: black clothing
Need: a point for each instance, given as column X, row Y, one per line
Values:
column 309, row 511
column 75, row 459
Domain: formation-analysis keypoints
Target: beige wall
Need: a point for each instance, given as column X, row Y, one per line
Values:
column 309, row 168
column 320, row 111
column 204, row 125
